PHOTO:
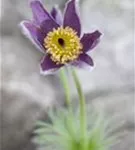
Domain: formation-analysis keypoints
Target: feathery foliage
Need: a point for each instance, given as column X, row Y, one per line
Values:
column 63, row 133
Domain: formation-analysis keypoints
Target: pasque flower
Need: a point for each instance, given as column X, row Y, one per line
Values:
column 59, row 38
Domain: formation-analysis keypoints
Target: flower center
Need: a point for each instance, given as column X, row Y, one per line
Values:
column 61, row 42
column 63, row 45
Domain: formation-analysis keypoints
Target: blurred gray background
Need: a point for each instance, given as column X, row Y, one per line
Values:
column 26, row 95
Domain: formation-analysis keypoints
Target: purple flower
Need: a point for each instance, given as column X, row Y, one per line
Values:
column 59, row 38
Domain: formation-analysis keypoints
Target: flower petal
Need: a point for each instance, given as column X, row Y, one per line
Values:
column 90, row 40
column 48, row 25
column 84, row 61
column 56, row 14
column 71, row 17
column 48, row 66
column 33, row 33
column 40, row 14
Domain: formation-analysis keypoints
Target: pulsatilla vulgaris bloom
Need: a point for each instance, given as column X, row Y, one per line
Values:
column 60, row 38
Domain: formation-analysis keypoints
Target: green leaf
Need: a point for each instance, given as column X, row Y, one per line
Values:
column 64, row 132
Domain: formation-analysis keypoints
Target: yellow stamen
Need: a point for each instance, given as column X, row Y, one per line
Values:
column 63, row 45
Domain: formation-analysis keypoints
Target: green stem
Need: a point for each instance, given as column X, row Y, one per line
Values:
column 83, row 120
column 65, row 83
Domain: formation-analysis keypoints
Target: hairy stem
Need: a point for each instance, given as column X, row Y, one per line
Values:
column 65, row 83
column 83, row 120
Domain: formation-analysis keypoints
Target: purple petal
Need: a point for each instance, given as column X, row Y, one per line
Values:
column 90, row 40
column 71, row 17
column 48, row 66
column 48, row 25
column 40, row 14
column 84, row 61
column 33, row 33
column 56, row 14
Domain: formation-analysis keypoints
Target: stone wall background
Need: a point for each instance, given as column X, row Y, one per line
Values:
column 26, row 95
